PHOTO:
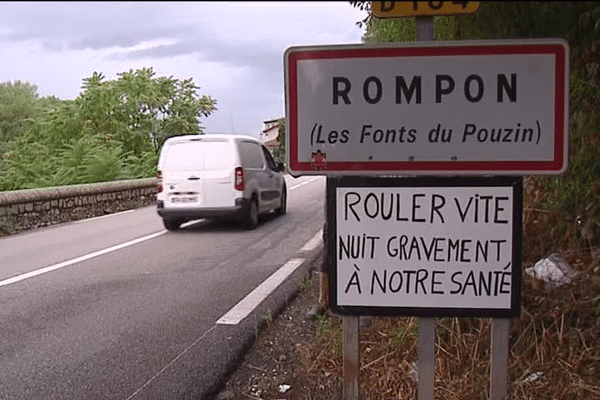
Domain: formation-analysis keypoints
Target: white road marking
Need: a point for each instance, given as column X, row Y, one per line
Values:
column 102, row 216
column 78, row 259
column 189, row 223
column 303, row 183
column 242, row 309
column 314, row 242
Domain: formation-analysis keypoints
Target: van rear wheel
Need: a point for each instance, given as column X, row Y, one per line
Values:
column 171, row 224
column 283, row 203
column 250, row 220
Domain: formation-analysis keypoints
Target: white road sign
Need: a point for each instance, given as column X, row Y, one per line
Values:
column 425, row 246
column 482, row 107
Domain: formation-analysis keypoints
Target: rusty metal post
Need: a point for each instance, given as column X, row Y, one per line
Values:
column 499, row 362
column 351, row 331
column 426, row 362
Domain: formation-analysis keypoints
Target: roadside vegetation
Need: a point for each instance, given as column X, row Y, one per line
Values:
column 113, row 130
column 554, row 351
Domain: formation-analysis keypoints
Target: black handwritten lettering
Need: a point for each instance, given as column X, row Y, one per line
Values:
column 351, row 205
column 499, row 209
column 354, row 281
column 441, row 249
column 382, row 285
column 357, row 246
column 435, row 282
column 505, row 282
column 462, row 214
column 416, row 206
column 435, row 208
column 457, row 283
column 422, row 275
column 398, row 276
column 484, row 208
column 481, row 283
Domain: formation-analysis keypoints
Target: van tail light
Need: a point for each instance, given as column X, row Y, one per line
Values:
column 239, row 178
column 159, row 186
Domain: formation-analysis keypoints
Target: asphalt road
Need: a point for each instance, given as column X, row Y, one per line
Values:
column 118, row 308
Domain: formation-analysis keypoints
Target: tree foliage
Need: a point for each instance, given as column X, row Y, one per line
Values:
column 279, row 153
column 18, row 108
column 139, row 104
column 112, row 130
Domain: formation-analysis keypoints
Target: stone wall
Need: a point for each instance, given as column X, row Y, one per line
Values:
column 34, row 208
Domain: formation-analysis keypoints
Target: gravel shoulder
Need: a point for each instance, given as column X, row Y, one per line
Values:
column 282, row 363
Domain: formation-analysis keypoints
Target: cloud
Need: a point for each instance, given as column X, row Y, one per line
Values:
column 232, row 50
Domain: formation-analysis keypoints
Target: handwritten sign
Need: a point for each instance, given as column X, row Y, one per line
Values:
column 485, row 107
column 425, row 246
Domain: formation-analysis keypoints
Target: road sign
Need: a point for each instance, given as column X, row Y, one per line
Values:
column 481, row 107
column 394, row 9
column 426, row 246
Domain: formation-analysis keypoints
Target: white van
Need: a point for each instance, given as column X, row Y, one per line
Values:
column 218, row 176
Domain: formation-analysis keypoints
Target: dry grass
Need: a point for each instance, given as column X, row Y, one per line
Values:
column 554, row 345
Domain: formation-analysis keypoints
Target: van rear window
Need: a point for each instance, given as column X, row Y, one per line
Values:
column 198, row 155
column 251, row 155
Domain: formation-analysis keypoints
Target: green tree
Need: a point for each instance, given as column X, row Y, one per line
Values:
column 139, row 106
column 112, row 130
column 18, row 111
column 18, row 108
column 281, row 138
column 572, row 21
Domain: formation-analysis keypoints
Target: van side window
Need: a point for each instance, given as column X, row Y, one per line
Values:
column 251, row 155
column 270, row 162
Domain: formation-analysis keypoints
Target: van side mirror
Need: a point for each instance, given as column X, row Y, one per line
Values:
column 280, row 167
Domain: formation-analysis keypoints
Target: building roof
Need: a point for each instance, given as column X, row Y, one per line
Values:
column 271, row 128
column 271, row 120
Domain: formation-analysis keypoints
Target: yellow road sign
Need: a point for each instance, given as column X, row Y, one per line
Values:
column 394, row 9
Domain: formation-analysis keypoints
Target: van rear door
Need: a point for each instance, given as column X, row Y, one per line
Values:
column 199, row 173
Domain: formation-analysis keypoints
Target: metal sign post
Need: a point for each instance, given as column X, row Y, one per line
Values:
column 499, row 359
column 426, row 361
column 351, row 333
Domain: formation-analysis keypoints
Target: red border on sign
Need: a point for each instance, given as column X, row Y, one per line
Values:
column 554, row 166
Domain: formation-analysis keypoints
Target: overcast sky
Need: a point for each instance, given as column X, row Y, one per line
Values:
column 232, row 50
